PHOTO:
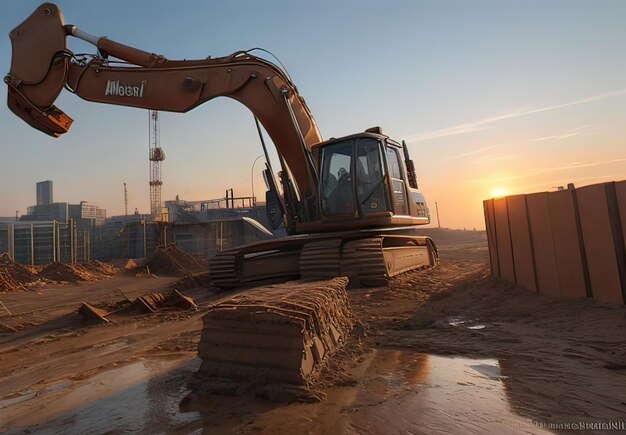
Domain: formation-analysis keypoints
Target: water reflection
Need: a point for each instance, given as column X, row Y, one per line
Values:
column 426, row 394
column 398, row 392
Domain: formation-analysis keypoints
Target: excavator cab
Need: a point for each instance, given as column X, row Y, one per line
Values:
column 365, row 178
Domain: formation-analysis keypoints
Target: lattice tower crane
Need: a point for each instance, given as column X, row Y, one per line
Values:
column 156, row 156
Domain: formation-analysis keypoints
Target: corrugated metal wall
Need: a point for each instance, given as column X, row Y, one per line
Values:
column 566, row 244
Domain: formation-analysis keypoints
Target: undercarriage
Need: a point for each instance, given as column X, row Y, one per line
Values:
column 367, row 257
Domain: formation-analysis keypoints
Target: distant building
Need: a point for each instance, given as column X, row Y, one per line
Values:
column 51, row 231
column 44, row 192
column 86, row 215
column 58, row 211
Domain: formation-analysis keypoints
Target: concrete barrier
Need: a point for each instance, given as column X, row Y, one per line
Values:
column 567, row 244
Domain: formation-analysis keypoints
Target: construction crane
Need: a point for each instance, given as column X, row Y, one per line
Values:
column 125, row 201
column 156, row 156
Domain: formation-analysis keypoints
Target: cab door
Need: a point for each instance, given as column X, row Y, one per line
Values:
column 398, row 187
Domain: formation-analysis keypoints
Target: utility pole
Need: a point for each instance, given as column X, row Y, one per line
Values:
column 252, row 177
column 437, row 211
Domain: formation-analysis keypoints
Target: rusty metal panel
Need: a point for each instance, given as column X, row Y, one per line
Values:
column 620, row 228
column 521, row 242
column 567, row 244
column 490, row 224
column 620, row 193
column 503, row 238
column 543, row 244
column 599, row 242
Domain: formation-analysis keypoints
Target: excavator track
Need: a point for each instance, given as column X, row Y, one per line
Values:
column 370, row 262
column 367, row 258
column 320, row 259
column 223, row 269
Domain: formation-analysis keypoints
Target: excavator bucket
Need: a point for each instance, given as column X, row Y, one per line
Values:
column 39, row 67
column 276, row 334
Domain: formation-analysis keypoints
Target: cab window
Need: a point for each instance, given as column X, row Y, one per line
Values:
column 337, row 190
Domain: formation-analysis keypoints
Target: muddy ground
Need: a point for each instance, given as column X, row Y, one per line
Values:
column 449, row 350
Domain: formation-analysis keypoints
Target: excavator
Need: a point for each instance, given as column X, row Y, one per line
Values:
column 350, row 205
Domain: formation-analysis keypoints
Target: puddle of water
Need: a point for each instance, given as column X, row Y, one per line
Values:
column 29, row 394
column 126, row 399
column 460, row 322
column 410, row 392
column 398, row 392
column 456, row 321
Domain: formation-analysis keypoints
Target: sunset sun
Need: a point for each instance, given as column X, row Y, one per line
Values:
column 498, row 193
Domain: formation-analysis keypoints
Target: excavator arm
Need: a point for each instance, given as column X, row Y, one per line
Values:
column 42, row 65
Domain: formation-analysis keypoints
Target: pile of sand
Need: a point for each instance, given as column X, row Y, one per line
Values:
column 8, row 284
column 13, row 276
column 169, row 260
column 100, row 268
column 67, row 272
column 16, row 270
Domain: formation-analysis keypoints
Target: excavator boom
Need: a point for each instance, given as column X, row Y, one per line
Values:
column 42, row 65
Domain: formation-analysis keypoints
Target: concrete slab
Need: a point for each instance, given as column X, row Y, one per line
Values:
column 567, row 244
column 521, row 242
column 543, row 244
column 600, row 242
column 503, row 237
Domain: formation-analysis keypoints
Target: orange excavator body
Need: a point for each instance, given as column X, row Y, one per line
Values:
column 364, row 181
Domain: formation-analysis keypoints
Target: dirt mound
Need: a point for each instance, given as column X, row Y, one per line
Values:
column 17, row 271
column 9, row 284
column 13, row 276
column 98, row 267
column 169, row 260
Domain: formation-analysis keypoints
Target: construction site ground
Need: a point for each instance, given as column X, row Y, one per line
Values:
column 447, row 350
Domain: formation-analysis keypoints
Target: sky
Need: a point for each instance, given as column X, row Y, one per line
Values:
column 491, row 97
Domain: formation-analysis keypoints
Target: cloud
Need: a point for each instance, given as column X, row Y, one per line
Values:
column 570, row 133
column 486, row 123
column 471, row 153
column 533, row 172
column 493, row 158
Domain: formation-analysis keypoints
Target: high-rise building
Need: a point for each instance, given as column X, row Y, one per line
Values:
column 44, row 192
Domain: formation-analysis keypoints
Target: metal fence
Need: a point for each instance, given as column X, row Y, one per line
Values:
column 37, row 243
